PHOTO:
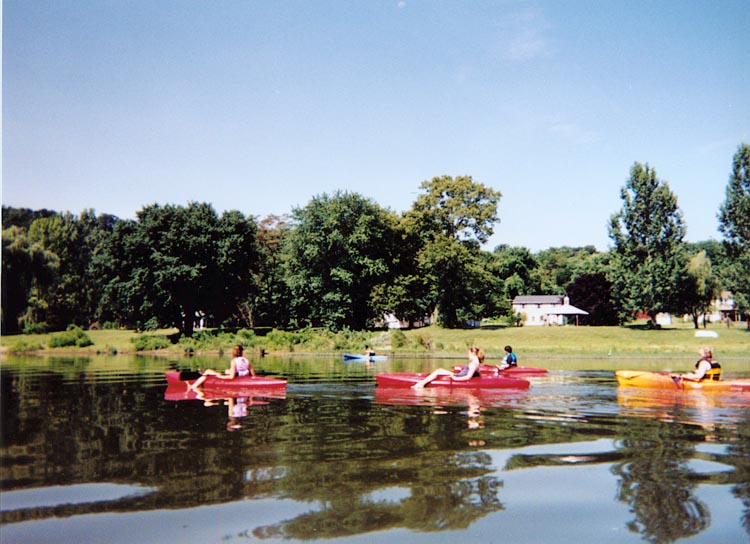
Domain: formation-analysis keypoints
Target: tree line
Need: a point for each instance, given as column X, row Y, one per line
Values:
column 343, row 261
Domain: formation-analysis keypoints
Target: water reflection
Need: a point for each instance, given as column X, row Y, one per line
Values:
column 658, row 485
column 657, row 481
column 443, row 491
column 238, row 402
column 363, row 459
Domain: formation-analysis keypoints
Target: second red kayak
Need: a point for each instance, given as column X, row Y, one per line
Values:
column 407, row 379
column 510, row 371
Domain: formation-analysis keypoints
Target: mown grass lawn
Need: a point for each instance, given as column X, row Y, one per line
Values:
column 634, row 340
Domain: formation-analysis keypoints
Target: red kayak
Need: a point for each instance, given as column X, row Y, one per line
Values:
column 512, row 371
column 237, row 383
column 407, row 379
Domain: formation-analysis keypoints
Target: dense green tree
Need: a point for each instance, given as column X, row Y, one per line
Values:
column 74, row 296
column 648, row 237
column 339, row 249
column 409, row 295
column 28, row 274
column 176, row 263
column 593, row 293
column 734, row 224
column 514, row 268
column 460, row 281
column 453, row 217
column 270, row 304
column 122, row 270
column 238, row 260
column 458, row 208
column 559, row 266
column 64, row 300
column 698, row 288
column 716, row 253
column 23, row 217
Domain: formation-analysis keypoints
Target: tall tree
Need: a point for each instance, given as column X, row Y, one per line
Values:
column 75, row 240
column 648, row 237
column 339, row 249
column 454, row 217
column 28, row 274
column 699, row 287
column 238, row 260
column 734, row 224
column 270, row 304
column 175, row 263
column 409, row 295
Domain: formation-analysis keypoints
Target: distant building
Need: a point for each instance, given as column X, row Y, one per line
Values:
column 546, row 310
column 723, row 309
column 393, row 322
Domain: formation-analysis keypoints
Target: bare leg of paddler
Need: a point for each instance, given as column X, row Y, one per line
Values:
column 433, row 375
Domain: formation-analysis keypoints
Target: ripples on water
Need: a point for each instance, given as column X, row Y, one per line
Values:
column 572, row 459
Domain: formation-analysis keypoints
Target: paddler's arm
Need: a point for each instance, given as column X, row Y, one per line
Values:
column 699, row 373
column 230, row 373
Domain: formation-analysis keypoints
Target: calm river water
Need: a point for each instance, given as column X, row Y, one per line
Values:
column 93, row 450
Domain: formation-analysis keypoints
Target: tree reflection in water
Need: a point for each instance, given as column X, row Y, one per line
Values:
column 354, row 459
column 741, row 452
column 656, row 480
column 657, row 484
column 448, row 503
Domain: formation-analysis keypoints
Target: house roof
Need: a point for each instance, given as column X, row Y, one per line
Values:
column 538, row 299
column 567, row 309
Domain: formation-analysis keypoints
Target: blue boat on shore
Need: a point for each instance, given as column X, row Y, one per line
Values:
column 354, row 357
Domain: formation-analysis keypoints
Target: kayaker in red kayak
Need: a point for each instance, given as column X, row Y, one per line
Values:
column 705, row 368
column 239, row 366
column 467, row 372
column 509, row 360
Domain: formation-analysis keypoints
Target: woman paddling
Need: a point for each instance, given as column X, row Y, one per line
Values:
column 239, row 366
column 467, row 372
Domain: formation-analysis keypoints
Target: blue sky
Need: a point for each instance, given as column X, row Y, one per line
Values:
column 259, row 106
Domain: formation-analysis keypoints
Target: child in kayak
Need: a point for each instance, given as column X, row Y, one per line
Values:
column 509, row 360
column 467, row 372
column 705, row 368
column 239, row 366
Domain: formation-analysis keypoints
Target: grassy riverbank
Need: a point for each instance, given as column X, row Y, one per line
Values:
column 630, row 341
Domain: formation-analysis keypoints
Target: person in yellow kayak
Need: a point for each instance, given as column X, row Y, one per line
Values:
column 467, row 372
column 705, row 368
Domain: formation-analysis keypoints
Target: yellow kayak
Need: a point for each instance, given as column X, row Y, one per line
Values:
column 665, row 380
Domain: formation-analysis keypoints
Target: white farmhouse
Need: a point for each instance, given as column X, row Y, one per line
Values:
column 546, row 309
